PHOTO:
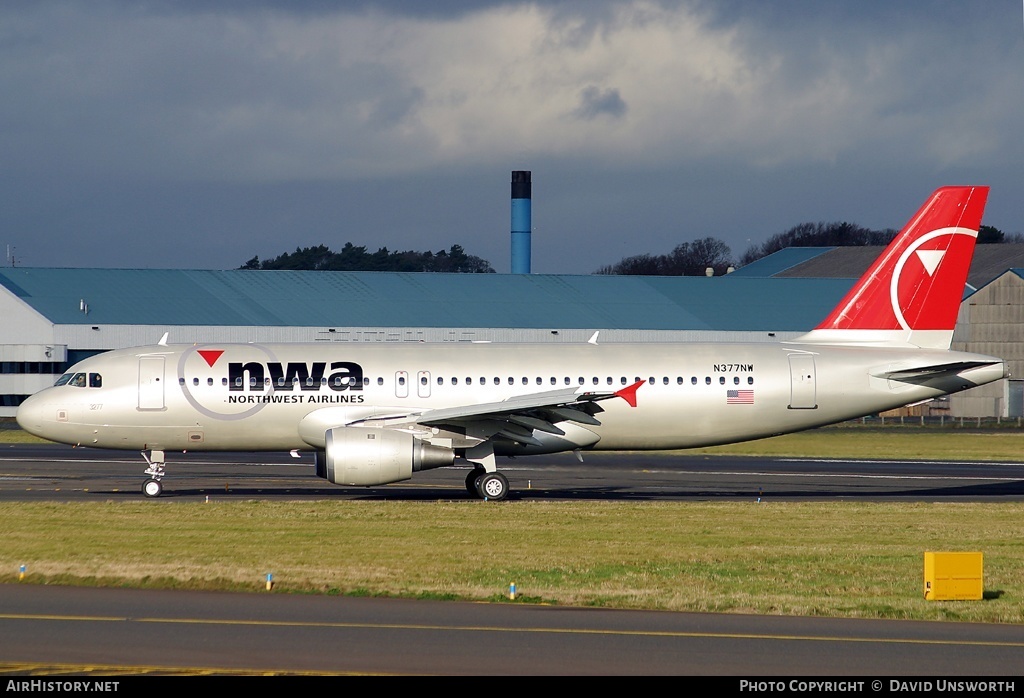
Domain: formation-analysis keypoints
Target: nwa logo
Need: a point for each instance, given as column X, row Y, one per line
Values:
column 253, row 375
column 279, row 376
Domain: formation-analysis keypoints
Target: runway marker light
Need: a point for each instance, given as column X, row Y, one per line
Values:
column 512, row 591
column 270, row 581
column 21, row 573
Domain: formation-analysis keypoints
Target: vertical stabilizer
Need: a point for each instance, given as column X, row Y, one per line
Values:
column 912, row 292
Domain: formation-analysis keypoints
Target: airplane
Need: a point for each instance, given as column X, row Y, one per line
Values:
column 376, row 414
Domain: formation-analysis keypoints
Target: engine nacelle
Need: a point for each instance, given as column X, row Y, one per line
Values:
column 366, row 456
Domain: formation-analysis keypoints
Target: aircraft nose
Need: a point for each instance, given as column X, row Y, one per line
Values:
column 32, row 415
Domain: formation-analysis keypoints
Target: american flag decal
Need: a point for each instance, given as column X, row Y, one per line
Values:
column 739, row 397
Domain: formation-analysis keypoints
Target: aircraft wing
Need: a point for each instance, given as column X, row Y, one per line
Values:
column 517, row 417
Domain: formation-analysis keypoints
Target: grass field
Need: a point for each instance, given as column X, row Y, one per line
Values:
column 828, row 559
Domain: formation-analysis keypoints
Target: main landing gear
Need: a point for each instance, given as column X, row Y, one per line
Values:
column 153, row 487
column 485, row 485
column 484, row 480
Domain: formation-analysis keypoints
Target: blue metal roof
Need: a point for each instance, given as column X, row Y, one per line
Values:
column 383, row 299
column 778, row 262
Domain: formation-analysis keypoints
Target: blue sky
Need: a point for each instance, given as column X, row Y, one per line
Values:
column 197, row 135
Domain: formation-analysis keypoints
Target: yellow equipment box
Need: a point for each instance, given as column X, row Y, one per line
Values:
column 953, row 576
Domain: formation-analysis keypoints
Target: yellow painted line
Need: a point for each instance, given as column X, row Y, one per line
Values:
column 107, row 671
column 536, row 630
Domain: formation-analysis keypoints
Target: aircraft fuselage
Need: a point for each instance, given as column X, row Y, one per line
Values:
column 255, row 397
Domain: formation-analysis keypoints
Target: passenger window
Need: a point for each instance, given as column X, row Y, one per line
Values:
column 209, row 381
column 750, row 380
column 195, row 381
column 736, row 380
column 721, row 380
column 707, row 380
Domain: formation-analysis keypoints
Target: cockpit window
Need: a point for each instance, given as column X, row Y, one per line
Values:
column 63, row 380
column 77, row 380
column 95, row 380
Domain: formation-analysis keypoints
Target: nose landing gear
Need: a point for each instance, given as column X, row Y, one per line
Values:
column 153, row 487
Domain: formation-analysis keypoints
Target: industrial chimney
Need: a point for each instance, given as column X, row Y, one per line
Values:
column 521, row 204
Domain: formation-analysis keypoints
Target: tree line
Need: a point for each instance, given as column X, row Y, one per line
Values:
column 694, row 258
column 686, row 259
column 357, row 258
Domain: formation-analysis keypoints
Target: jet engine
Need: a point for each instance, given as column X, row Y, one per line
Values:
column 366, row 456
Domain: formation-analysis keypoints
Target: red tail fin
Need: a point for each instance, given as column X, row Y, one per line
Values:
column 912, row 292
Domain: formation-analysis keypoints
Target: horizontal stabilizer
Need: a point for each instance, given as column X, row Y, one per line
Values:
column 910, row 375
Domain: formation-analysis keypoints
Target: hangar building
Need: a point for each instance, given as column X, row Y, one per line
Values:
column 52, row 318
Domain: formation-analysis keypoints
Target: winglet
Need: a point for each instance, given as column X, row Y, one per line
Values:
column 163, row 340
column 593, row 338
column 629, row 393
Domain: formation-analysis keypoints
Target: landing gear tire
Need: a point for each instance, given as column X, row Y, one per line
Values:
column 152, row 488
column 471, row 479
column 493, row 486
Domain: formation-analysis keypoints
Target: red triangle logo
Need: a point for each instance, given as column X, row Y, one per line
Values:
column 629, row 393
column 211, row 355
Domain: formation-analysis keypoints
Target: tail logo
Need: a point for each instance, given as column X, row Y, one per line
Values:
column 930, row 259
column 914, row 283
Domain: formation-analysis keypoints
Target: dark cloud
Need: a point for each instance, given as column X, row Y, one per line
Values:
column 199, row 134
column 594, row 102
